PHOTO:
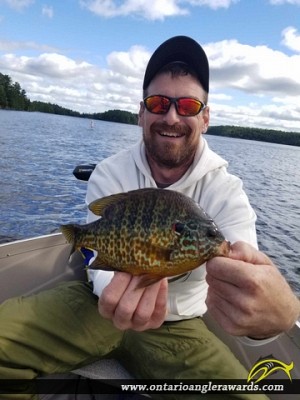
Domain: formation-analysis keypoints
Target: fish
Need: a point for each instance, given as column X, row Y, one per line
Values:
column 268, row 366
column 153, row 232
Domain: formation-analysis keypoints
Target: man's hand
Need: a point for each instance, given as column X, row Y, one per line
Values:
column 248, row 296
column 132, row 307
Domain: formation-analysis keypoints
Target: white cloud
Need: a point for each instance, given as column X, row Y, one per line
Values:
column 281, row 116
column 294, row 2
column 17, row 4
column 250, row 85
column 78, row 85
column 257, row 70
column 8, row 45
column 131, row 63
column 46, row 65
column 214, row 4
column 47, row 11
column 263, row 85
column 152, row 10
column 220, row 97
column 291, row 38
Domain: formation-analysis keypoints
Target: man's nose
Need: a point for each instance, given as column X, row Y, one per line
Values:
column 172, row 116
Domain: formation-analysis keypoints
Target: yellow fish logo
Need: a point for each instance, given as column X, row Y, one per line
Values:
column 269, row 366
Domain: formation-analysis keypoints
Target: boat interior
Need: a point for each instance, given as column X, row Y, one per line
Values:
column 31, row 265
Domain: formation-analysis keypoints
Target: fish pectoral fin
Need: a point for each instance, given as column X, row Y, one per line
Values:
column 150, row 249
column 147, row 280
column 100, row 263
column 98, row 206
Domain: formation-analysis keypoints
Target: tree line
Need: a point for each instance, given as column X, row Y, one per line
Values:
column 261, row 135
column 13, row 97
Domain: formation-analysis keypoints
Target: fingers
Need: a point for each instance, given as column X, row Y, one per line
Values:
column 227, row 270
column 112, row 294
column 152, row 307
column 238, row 267
column 227, row 316
column 132, row 307
column 245, row 252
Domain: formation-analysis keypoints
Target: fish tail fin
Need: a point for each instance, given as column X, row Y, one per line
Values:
column 69, row 232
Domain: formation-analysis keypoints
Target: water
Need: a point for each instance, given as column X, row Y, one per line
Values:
column 271, row 177
column 38, row 191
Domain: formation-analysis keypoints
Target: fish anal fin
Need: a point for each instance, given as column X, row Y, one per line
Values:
column 100, row 263
column 147, row 280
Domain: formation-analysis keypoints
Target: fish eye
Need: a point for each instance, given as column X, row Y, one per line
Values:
column 178, row 227
column 212, row 232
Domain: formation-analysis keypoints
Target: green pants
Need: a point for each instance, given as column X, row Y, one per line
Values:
column 60, row 330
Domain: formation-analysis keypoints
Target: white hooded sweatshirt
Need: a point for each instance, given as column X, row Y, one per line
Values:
column 207, row 181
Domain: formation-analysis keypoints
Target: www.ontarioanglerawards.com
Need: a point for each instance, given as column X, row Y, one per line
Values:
column 209, row 387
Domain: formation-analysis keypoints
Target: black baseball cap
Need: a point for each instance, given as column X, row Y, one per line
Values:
column 182, row 49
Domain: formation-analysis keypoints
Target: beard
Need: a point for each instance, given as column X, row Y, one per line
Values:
column 166, row 153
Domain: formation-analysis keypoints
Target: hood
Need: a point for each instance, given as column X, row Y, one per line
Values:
column 205, row 161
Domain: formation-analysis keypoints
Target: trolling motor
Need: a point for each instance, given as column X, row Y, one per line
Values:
column 83, row 172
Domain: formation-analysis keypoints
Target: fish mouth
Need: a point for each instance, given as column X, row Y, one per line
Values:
column 225, row 248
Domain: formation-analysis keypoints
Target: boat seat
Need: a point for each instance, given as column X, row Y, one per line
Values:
column 103, row 369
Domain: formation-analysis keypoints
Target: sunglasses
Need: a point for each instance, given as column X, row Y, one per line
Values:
column 185, row 106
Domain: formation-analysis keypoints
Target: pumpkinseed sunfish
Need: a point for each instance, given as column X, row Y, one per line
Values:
column 157, row 232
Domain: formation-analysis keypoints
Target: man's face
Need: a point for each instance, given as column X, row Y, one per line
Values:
column 171, row 140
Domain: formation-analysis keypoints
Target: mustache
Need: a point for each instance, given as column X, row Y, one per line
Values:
column 176, row 128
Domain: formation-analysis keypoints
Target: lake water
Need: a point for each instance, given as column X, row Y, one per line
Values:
column 38, row 191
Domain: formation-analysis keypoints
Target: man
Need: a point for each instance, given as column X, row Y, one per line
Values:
column 173, row 154
column 155, row 332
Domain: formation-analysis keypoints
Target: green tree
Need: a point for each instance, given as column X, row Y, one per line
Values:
column 3, row 98
column 12, row 95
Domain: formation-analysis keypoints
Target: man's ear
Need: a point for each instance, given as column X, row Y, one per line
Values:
column 141, row 114
column 206, row 117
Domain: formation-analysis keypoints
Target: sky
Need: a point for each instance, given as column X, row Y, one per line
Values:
column 90, row 55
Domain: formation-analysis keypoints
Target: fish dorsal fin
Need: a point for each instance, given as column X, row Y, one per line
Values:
column 98, row 206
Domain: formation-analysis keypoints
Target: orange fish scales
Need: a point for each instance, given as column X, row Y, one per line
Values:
column 154, row 231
